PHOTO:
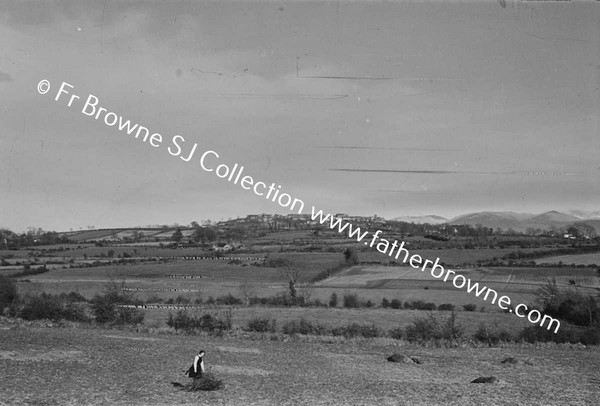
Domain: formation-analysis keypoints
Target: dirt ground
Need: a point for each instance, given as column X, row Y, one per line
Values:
column 77, row 366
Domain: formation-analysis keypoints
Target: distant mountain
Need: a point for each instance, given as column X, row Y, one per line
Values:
column 502, row 219
column 517, row 221
column 431, row 219
column 553, row 217
column 585, row 215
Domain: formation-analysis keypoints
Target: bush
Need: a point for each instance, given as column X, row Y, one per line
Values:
column 385, row 303
column 429, row 328
column 492, row 335
column 351, row 301
column 419, row 305
column 43, row 306
column 229, row 300
column 52, row 307
column 351, row 256
column 262, row 325
column 534, row 334
column 183, row 320
column 8, row 292
column 566, row 334
column 422, row 329
column 569, row 305
column 446, row 307
column 304, row 327
column 108, row 307
column 469, row 307
column 396, row 304
column 396, row 333
column 333, row 300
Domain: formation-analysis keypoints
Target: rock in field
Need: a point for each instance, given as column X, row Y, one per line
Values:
column 485, row 379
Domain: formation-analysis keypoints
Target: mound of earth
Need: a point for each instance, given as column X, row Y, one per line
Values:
column 207, row 382
column 404, row 359
column 486, row 379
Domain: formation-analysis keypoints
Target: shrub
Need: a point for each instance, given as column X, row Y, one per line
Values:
column 108, row 307
column 351, row 301
column 385, row 303
column 303, row 326
column 262, row 325
column 569, row 305
column 72, row 297
column 155, row 299
column 492, row 335
column 229, row 300
column 419, row 305
column 52, row 307
column 429, row 328
column 333, row 300
column 469, row 307
column 396, row 333
column 534, row 334
column 451, row 329
column 446, row 307
column 396, row 304
column 590, row 335
column 183, row 320
column 422, row 329
column 43, row 306
column 8, row 292
column 351, row 256
column 566, row 334
column 182, row 300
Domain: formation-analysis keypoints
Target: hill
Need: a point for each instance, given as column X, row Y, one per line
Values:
column 430, row 219
column 522, row 221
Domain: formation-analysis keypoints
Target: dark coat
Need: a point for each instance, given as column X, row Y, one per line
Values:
column 198, row 374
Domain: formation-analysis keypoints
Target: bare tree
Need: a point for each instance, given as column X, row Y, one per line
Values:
column 295, row 274
column 246, row 290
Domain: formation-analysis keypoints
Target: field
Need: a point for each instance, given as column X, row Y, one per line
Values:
column 56, row 366
column 581, row 259
column 96, row 366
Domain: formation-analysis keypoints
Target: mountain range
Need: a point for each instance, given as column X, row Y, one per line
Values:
column 514, row 220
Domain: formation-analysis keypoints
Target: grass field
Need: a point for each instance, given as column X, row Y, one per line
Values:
column 94, row 366
column 64, row 366
column 579, row 259
column 385, row 319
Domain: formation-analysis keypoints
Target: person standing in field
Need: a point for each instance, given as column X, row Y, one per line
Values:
column 197, row 369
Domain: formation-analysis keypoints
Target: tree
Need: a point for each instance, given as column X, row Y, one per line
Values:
column 106, row 307
column 204, row 234
column 294, row 273
column 246, row 290
column 351, row 256
column 177, row 235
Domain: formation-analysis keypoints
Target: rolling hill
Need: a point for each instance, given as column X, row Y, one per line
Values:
column 522, row 221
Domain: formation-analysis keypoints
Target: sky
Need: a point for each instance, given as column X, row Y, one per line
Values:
column 359, row 107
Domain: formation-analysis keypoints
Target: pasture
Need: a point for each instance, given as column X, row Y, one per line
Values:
column 578, row 259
